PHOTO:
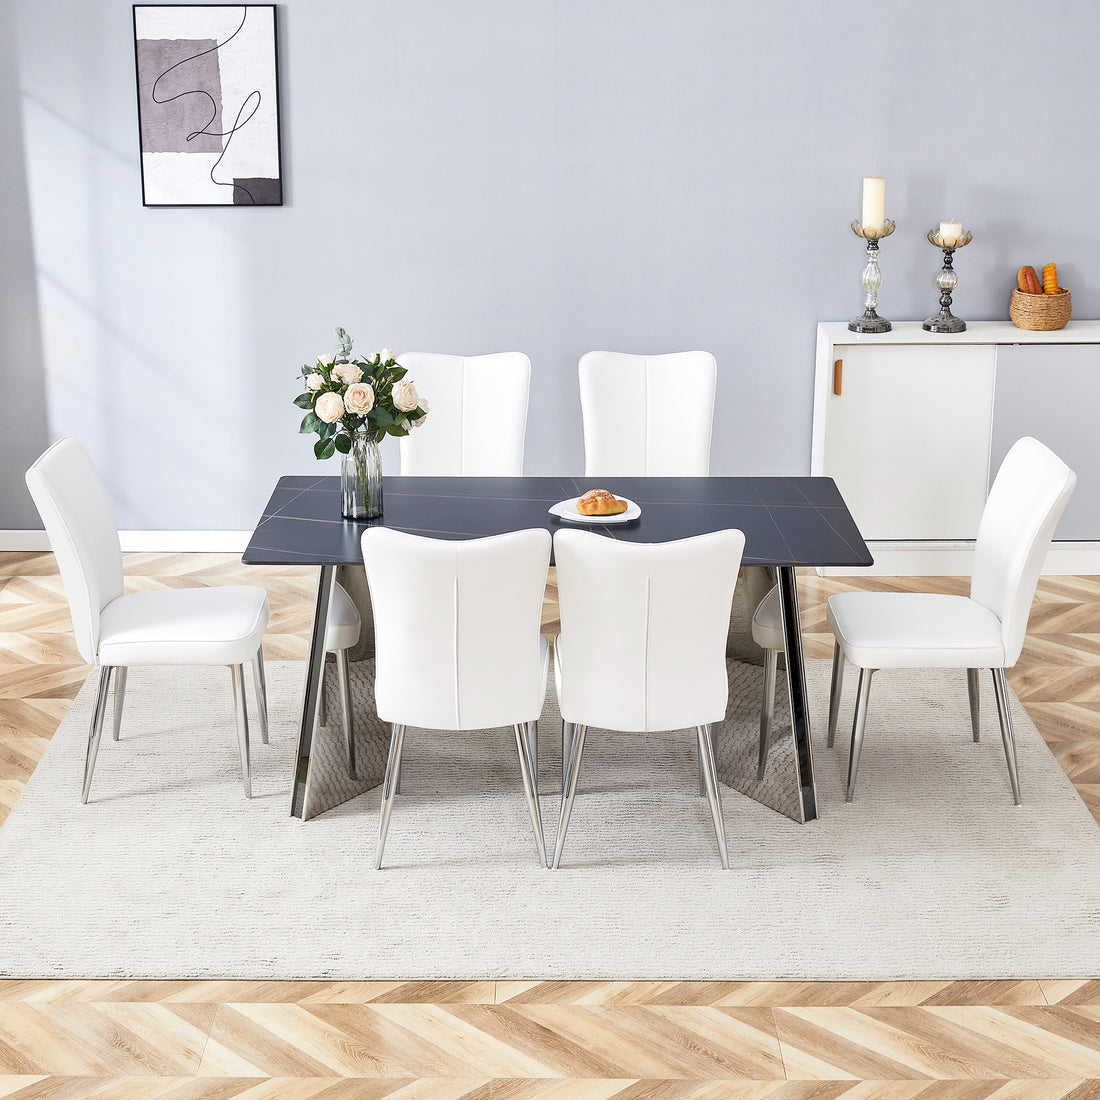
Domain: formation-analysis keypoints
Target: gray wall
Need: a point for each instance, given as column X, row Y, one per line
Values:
column 545, row 175
column 22, row 382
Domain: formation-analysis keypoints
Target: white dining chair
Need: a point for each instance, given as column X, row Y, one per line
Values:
column 626, row 403
column 458, row 643
column 116, row 630
column 341, row 634
column 642, row 647
column 478, row 418
column 887, row 630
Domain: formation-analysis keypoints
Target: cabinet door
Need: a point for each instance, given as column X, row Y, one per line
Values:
column 1053, row 393
column 907, row 439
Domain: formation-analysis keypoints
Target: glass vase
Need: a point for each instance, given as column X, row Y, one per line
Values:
column 361, row 478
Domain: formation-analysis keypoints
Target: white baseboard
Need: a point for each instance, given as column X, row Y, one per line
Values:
column 956, row 559
column 163, row 542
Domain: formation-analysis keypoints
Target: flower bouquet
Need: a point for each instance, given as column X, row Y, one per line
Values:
column 351, row 404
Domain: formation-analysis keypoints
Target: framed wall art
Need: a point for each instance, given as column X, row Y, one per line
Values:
column 208, row 104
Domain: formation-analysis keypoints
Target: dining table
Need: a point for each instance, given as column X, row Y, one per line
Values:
column 788, row 523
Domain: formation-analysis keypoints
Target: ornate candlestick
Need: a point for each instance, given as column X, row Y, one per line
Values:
column 946, row 280
column 869, row 320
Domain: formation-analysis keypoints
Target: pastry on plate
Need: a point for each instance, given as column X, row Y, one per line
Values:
column 599, row 502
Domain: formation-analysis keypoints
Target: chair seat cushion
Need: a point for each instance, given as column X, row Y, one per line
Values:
column 342, row 628
column 184, row 626
column 915, row 630
column 767, row 622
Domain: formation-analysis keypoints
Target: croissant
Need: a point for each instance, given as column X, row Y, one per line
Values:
column 599, row 502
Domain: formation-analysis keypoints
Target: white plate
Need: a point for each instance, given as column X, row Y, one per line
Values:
column 567, row 510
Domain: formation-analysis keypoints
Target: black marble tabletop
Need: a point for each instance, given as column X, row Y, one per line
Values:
column 787, row 521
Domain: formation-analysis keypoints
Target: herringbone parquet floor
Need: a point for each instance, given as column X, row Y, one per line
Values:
column 551, row 1040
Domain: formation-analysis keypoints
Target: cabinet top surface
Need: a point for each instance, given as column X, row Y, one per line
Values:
column 977, row 332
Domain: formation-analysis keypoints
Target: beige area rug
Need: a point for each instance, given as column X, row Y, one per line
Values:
column 169, row 873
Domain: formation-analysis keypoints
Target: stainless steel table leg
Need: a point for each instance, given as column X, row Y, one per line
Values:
column 315, row 669
column 796, row 683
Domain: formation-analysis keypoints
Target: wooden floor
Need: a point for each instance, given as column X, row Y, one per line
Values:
column 495, row 1040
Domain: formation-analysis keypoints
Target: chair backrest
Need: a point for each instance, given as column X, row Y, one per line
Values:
column 647, row 415
column 643, row 629
column 77, row 516
column 457, row 627
column 1027, row 499
column 478, row 418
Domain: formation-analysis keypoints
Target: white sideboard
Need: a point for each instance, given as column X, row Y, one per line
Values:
column 912, row 425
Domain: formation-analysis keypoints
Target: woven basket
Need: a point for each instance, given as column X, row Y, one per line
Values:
column 1039, row 312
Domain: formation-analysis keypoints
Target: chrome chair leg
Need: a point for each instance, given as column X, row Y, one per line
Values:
column 835, row 687
column 260, row 681
column 1000, row 687
column 397, row 740
column 706, row 754
column 533, row 750
column 242, row 726
column 569, row 789
column 767, row 708
column 568, row 731
column 120, row 697
column 95, row 730
column 530, row 783
column 974, row 691
column 699, row 768
column 343, row 675
column 858, row 724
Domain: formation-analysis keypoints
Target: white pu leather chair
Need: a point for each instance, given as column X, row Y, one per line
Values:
column 884, row 630
column 642, row 647
column 341, row 634
column 478, row 418
column 458, row 643
column 625, row 403
column 114, row 630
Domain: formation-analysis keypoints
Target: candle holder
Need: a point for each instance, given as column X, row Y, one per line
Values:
column 946, row 280
column 869, row 320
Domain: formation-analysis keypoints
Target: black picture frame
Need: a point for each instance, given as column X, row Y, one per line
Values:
column 207, row 79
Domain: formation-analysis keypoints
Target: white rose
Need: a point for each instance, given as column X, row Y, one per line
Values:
column 326, row 360
column 315, row 380
column 359, row 398
column 348, row 373
column 417, row 423
column 329, row 407
column 404, row 396
column 386, row 354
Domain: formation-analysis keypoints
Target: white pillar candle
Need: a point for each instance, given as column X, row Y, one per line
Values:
column 950, row 232
column 874, row 202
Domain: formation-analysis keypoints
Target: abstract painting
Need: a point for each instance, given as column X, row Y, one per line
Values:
column 208, row 110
